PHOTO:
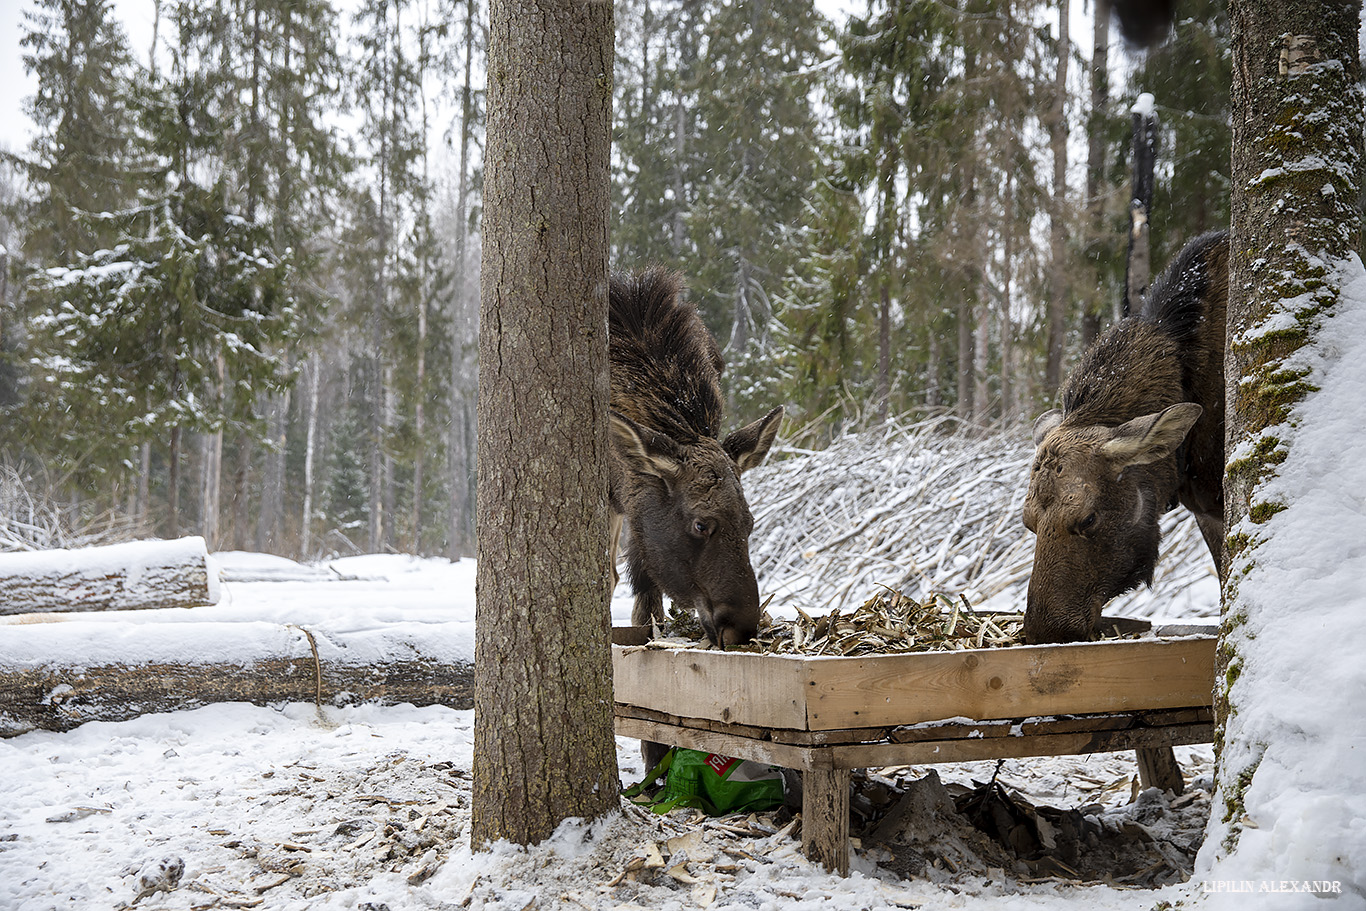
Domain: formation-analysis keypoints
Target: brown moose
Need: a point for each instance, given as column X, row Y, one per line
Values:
column 675, row 488
column 1141, row 429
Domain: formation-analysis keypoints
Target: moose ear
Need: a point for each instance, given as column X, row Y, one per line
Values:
column 645, row 451
column 1045, row 423
column 1151, row 437
column 749, row 445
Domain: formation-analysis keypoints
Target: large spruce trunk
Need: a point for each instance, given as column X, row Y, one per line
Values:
column 544, row 749
column 1285, row 683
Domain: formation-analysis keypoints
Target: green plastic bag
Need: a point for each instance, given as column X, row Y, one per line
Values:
column 712, row 783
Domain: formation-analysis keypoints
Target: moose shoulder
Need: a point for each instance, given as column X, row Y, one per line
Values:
column 676, row 498
column 1141, row 429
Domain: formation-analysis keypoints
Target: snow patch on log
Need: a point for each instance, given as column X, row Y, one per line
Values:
column 131, row 576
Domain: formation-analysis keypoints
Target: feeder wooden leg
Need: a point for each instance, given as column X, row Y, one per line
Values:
column 1158, row 768
column 825, row 818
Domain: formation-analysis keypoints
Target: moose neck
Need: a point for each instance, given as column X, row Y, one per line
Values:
column 1132, row 370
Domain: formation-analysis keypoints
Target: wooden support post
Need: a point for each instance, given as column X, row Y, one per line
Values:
column 825, row 818
column 1158, row 768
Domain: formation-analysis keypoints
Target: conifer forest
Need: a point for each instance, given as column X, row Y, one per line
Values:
column 240, row 263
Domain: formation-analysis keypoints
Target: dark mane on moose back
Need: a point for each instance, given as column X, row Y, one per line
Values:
column 666, row 367
column 677, row 504
column 1141, row 429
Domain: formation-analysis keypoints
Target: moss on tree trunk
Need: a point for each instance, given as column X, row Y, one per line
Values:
column 1297, row 135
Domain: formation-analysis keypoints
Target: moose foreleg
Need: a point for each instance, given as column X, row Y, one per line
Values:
column 649, row 605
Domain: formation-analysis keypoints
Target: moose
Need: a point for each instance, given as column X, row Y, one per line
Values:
column 1141, row 429
column 675, row 493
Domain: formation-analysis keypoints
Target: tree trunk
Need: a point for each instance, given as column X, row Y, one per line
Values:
column 241, row 493
column 210, row 474
column 214, row 662
column 1138, row 268
column 310, row 447
column 544, row 749
column 458, row 445
column 1007, row 322
column 883, row 396
column 981, row 354
column 131, row 576
column 1095, row 164
column 1056, row 307
column 173, row 485
column 273, row 475
column 1290, row 775
column 965, row 358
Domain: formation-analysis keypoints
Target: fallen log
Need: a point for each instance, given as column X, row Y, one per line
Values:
column 57, row 677
column 131, row 576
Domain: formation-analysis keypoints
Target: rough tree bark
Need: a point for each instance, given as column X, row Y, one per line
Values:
column 1290, row 785
column 1057, row 209
column 544, row 749
column 1093, row 305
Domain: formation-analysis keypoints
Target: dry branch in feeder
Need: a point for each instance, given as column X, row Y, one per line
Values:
column 889, row 623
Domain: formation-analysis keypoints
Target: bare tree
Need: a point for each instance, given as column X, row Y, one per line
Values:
column 1057, row 209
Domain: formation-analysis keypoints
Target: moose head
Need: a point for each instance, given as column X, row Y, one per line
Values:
column 688, row 524
column 1095, row 495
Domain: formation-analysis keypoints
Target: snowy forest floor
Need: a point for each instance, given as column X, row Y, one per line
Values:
column 292, row 806
column 368, row 808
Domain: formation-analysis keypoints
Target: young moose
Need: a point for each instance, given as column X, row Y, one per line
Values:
column 675, row 488
column 1141, row 429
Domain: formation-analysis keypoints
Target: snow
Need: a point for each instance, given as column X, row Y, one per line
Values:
column 1303, row 682
column 240, row 795
column 245, row 796
column 1144, row 105
column 296, row 807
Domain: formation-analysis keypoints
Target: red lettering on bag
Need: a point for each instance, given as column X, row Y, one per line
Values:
column 720, row 764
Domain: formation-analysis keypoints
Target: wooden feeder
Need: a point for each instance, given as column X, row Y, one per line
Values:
column 825, row 716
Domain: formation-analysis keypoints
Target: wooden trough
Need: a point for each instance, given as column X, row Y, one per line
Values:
column 826, row 716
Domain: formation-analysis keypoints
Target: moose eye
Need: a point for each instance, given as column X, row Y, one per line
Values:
column 1086, row 523
column 701, row 527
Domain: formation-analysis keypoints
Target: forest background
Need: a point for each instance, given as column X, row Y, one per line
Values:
column 239, row 267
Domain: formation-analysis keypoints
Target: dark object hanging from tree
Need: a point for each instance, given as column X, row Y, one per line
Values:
column 1137, row 266
column 1144, row 23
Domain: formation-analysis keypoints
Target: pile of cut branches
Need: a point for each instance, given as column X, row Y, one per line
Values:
column 890, row 623
column 923, row 507
column 887, row 623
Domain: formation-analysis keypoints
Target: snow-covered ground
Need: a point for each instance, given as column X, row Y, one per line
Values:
column 367, row 807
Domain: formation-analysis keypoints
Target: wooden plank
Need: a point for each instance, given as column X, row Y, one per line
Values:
column 876, row 755
column 738, row 687
column 867, row 756
column 700, row 724
column 825, row 818
column 779, row 754
column 833, row 694
column 133, row 576
column 1016, row 682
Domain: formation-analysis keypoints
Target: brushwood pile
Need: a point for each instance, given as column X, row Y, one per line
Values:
column 927, row 509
